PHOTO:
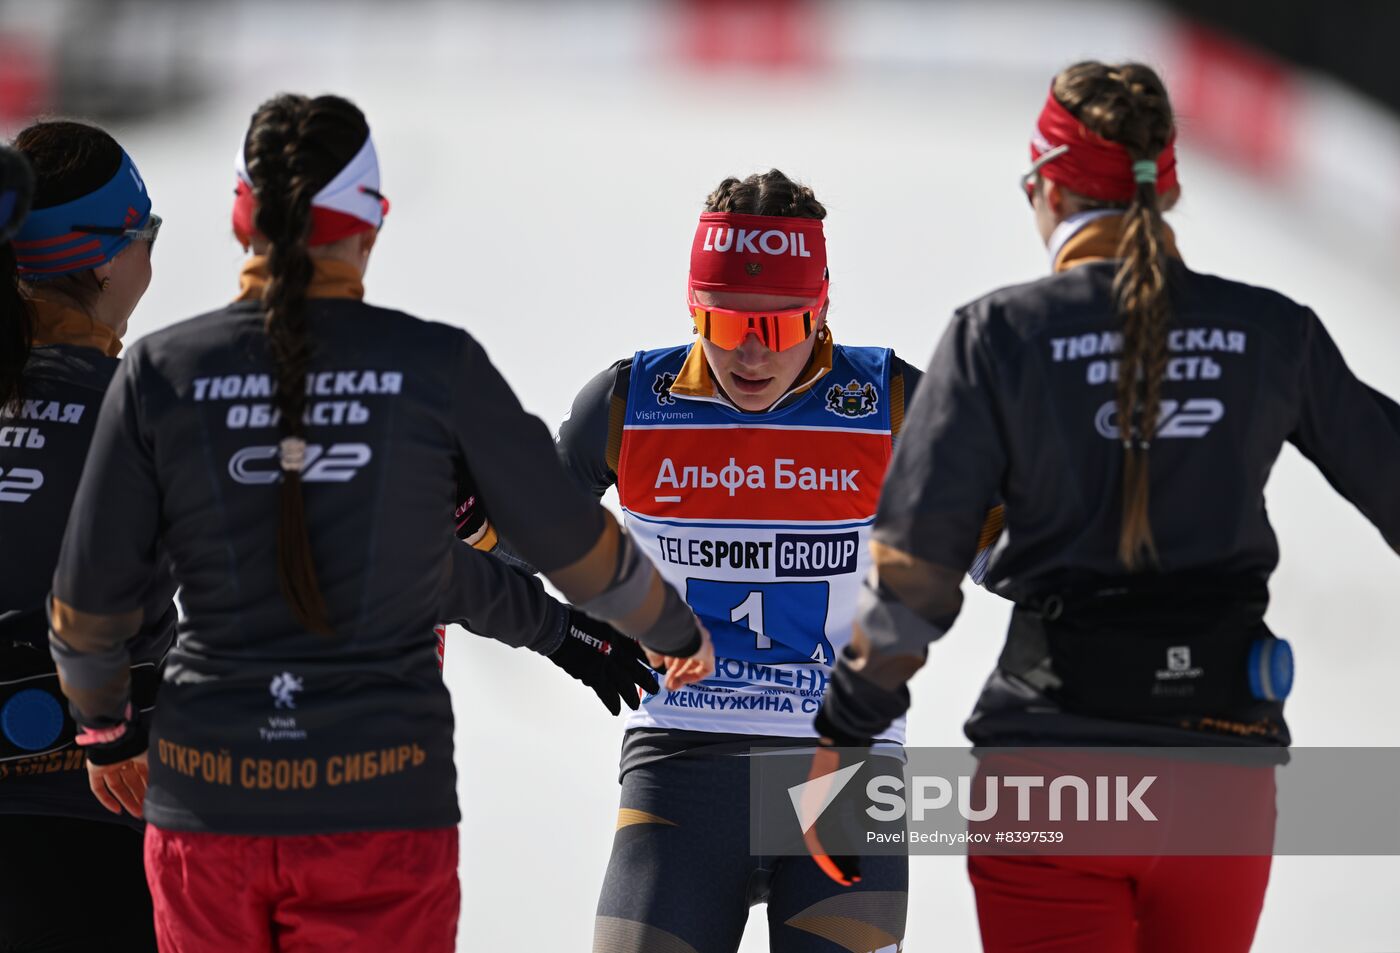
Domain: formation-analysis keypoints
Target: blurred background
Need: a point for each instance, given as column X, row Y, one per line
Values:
column 546, row 162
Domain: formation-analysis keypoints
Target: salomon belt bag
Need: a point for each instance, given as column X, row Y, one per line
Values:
column 1151, row 652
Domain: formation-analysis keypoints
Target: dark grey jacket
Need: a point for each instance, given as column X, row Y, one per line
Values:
column 1018, row 404
column 43, row 442
column 263, row 727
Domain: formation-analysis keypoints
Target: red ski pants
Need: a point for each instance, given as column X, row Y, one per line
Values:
column 371, row 892
column 1051, row 904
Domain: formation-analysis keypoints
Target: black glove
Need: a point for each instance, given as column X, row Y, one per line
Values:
column 472, row 522
column 855, row 709
column 843, row 869
column 605, row 660
column 853, row 712
column 132, row 742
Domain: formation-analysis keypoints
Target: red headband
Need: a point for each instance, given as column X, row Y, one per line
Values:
column 348, row 204
column 764, row 254
column 327, row 225
column 1094, row 167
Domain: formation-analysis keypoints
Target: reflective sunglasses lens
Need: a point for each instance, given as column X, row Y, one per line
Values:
column 728, row 330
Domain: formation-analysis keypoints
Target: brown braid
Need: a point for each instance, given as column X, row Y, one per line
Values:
column 294, row 147
column 1128, row 104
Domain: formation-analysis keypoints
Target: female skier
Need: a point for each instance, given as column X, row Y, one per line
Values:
column 296, row 454
column 71, row 273
column 748, row 466
column 1128, row 410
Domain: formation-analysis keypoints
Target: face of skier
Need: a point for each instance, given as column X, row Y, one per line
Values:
column 752, row 375
column 124, row 279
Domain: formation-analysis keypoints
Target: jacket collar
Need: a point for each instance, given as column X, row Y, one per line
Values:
column 1093, row 236
column 330, row 279
column 60, row 324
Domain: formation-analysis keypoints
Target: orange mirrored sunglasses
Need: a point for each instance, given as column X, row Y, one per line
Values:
column 777, row 330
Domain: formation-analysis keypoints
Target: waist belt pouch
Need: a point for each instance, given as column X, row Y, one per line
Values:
column 1136, row 655
column 34, row 716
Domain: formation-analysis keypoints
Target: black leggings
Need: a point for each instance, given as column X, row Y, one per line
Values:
column 69, row 885
column 681, row 878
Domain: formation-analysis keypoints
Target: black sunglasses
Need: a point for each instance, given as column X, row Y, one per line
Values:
column 147, row 233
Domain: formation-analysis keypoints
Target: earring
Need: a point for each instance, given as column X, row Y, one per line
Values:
column 822, row 335
column 104, row 283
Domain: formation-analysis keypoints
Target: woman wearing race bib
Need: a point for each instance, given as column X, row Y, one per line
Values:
column 71, row 272
column 748, row 465
column 296, row 453
column 1128, row 410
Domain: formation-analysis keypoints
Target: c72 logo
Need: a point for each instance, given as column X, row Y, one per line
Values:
column 1194, row 418
column 18, row 484
column 338, row 463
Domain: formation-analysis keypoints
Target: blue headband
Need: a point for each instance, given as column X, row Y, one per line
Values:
column 53, row 241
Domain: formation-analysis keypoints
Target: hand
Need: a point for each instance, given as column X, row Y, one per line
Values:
column 681, row 671
column 845, row 870
column 605, row 660
column 121, row 784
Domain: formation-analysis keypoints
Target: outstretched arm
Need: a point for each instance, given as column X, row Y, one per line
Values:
column 553, row 524
column 1361, row 459
column 587, row 445
column 510, row 605
column 110, row 581
column 937, row 509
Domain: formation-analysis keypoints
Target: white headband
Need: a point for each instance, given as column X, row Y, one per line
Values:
column 354, row 191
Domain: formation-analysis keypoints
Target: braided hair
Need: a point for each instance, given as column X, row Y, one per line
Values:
column 294, row 147
column 1128, row 104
